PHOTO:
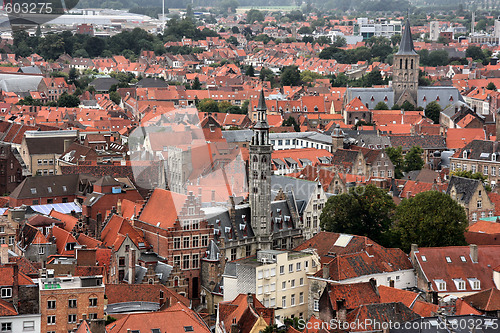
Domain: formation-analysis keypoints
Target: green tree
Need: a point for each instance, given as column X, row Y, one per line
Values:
column 292, row 122
column 432, row 111
column 305, row 30
column 475, row 53
column 374, row 78
column 250, row 71
column 396, row 157
column 491, row 86
column 407, row 106
column 68, row 101
column 72, row 75
column 196, row 84
column 381, row 106
column 266, row 74
column 308, row 76
column 290, row 76
column 364, row 211
column 431, row 218
column 413, row 159
column 233, row 40
column 115, row 97
column 254, row 15
column 94, row 46
column 208, row 105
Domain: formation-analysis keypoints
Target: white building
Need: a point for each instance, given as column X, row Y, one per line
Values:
column 368, row 28
column 297, row 140
column 434, row 30
column 21, row 323
column 278, row 278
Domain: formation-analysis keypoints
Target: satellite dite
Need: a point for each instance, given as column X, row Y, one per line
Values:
column 26, row 14
column 174, row 150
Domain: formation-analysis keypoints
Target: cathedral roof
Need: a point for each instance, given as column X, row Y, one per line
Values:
column 406, row 45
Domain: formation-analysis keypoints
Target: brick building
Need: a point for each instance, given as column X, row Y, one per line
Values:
column 174, row 225
column 65, row 301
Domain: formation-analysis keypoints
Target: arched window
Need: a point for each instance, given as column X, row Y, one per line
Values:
column 264, row 159
column 406, row 63
column 411, row 64
column 401, row 63
column 176, row 281
column 255, row 158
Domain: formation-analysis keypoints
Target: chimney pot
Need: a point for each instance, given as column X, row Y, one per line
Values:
column 474, row 253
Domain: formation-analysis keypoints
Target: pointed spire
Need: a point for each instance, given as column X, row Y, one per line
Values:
column 262, row 102
column 406, row 45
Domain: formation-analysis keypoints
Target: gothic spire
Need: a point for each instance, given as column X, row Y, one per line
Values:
column 406, row 45
column 261, row 113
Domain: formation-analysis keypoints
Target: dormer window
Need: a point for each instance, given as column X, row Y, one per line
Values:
column 465, row 154
column 441, row 285
column 475, row 284
column 459, row 283
column 494, row 157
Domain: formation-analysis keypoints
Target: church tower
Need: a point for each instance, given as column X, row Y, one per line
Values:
column 405, row 70
column 259, row 178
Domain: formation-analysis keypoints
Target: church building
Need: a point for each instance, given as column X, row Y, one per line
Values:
column 405, row 72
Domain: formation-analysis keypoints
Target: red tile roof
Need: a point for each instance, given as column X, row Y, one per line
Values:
column 7, row 309
column 119, row 293
column 454, row 262
column 162, row 207
column 176, row 318
column 116, row 231
column 488, row 300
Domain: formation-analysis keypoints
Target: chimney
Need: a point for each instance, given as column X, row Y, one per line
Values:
column 131, row 266
column 213, row 198
column 67, row 143
column 373, row 282
column 119, row 207
column 473, row 253
column 15, row 289
column 250, row 300
column 341, row 310
column 4, row 254
column 326, row 270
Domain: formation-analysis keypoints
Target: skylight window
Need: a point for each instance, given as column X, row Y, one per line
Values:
column 33, row 191
column 463, row 259
column 448, row 259
column 188, row 329
column 424, row 258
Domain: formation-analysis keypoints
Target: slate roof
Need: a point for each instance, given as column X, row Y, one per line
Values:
column 47, row 145
column 103, row 83
column 406, row 44
column 423, row 141
column 465, row 188
column 479, row 150
column 302, row 189
column 42, row 184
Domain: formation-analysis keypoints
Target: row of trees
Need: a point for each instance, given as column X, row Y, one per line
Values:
column 127, row 43
column 429, row 219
